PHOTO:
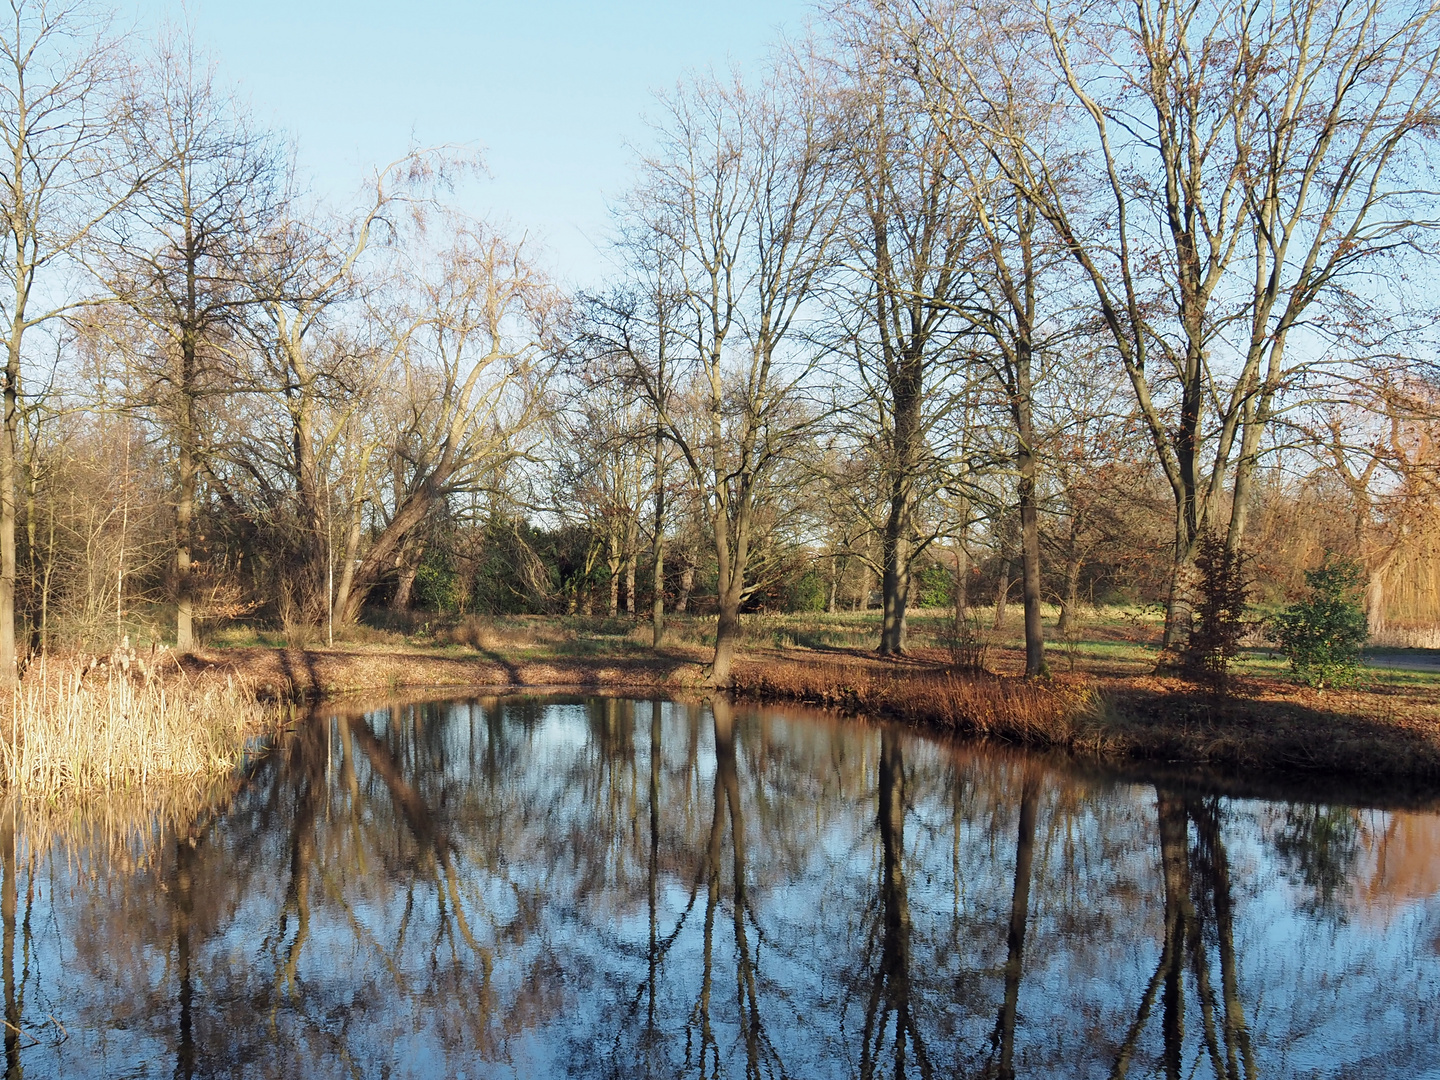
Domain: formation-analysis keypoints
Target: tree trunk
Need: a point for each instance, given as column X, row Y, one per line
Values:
column 1026, row 460
column 657, row 550
column 185, row 517
column 687, row 582
column 347, row 572
column 1002, row 593
column 727, row 636
column 897, row 548
column 9, row 444
column 614, row 562
column 311, row 569
column 632, row 559
column 1035, row 666
column 404, row 586
column 730, row 562
column 1074, row 563
column 1177, row 604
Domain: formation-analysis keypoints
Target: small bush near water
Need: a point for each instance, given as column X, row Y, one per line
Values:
column 68, row 732
column 1323, row 633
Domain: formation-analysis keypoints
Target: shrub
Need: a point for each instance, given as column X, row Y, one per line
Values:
column 935, row 586
column 1218, row 618
column 808, row 592
column 1322, row 634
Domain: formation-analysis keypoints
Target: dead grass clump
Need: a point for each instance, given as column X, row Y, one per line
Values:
column 69, row 733
column 484, row 635
column 1009, row 709
column 361, row 634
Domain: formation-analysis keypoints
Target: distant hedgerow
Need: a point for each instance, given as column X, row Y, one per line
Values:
column 1323, row 633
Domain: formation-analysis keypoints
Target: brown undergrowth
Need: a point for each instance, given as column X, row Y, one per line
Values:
column 992, row 706
column 1263, row 727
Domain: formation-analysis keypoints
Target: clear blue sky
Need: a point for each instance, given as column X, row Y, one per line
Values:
column 553, row 92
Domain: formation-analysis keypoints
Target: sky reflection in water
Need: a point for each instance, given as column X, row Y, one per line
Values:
column 550, row 887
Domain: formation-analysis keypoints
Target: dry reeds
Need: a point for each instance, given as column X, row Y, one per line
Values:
column 1012, row 710
column 67, row 732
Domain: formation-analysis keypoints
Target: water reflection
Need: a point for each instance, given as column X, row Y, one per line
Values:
column 599, row 887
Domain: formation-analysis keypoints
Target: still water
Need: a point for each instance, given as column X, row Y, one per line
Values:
column 591, row 887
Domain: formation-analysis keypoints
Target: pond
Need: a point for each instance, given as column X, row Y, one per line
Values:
column 574, row 886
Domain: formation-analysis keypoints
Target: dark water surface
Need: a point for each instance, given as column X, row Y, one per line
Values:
column 573, row 887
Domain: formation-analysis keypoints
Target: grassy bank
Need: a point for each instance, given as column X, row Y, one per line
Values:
column 1103, row 700
column 1362, row 734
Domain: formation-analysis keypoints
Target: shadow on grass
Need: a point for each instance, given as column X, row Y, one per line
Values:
column 1287, row 739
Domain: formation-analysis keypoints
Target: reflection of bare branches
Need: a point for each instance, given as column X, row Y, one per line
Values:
column 1004, row 1038
column 1227, row 1047
column 1142, row 1015
column 890, row 989
column 427, row 833
column 759, row 1051
column 1215, row 866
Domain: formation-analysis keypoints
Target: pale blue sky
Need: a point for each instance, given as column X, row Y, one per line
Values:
column 552, row 91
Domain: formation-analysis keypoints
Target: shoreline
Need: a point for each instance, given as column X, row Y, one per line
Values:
column 1266, row 726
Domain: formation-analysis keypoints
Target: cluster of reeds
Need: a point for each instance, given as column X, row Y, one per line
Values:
column 1014, row 710
column 73, row 730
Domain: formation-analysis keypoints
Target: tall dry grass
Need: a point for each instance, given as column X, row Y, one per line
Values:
column 67, row 731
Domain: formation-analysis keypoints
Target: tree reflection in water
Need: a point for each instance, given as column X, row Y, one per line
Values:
column 604, row 887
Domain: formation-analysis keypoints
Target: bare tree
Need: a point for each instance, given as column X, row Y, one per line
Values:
column 744, row 193
column 468, row 338
column 1247, row 168
column 180, row 261
column 63, row 169
column 322, row 359
column 907, row 233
